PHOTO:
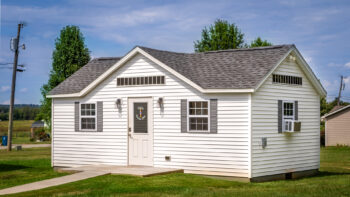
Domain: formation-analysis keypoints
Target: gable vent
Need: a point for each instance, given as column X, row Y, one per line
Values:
column 134, row 81
column 286, row 79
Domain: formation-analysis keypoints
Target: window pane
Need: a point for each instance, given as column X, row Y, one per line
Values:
column 150, row 80
column 205, row 112
column 205, row 127
column 198, row 112
column 205, row 120
column 192, row 112
column 192, row 104
column 158, row 80
column 198, row 104
column 162, row 80
column 146, row 80
column 205, row 104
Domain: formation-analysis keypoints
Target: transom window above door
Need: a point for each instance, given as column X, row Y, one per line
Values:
column 146, row 80
column 198, row 115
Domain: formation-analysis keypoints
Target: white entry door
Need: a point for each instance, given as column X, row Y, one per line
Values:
column 140, row 132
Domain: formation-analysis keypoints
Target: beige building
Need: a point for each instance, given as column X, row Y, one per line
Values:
column 338, row 126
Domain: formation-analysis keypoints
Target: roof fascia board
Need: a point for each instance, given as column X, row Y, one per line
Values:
column 339, row 110
column 311, row 75
column 305, row 67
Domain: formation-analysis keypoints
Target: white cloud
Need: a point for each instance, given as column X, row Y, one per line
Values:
column 4, row 88
column 23, row 90
column 347, row 65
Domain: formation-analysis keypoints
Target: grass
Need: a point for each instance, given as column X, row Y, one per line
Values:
column 333, row 180
column 21, row 132
column 29, row 165
column 26, row 140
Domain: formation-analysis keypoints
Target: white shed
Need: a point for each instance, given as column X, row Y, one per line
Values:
column 250, row 113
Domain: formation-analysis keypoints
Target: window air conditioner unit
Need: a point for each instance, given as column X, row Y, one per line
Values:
column 291, row 126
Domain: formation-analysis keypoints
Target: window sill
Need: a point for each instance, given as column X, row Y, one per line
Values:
column 92, row 131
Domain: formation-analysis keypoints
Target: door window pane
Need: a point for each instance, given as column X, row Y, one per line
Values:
column 140, row 118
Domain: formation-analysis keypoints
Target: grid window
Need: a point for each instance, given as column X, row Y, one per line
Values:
column 131, row 81
column 198, row 115
column 287, row 79
column 88, row 116
column 288, row 109
column 288, row 115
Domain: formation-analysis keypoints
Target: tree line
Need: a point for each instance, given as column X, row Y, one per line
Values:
column 20, row 112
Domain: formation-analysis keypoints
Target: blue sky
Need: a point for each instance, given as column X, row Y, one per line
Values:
column 319, row 29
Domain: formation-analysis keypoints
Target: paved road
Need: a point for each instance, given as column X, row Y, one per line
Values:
column 27, row 146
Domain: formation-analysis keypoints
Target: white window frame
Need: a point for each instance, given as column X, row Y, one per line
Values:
column 197, row 116
column 284, row 117
column 89, row 116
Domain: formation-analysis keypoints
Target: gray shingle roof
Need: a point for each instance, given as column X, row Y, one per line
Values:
column 84, row 76
column 225, row 69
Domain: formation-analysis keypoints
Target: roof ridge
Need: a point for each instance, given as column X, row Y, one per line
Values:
column 224, row 50
column 160, row 50
column 251, row 49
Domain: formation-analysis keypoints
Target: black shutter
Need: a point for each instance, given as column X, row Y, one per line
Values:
column 99, row 116
column 279, row 116
column 76, row 116
column 213, row 115
column 296, row 116
column 183, row 116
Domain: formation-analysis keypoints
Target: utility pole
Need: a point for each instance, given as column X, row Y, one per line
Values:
column 340, row 89
column 13, row 86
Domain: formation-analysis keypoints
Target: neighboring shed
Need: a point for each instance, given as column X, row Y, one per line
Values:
column 251, row 113
column 338, row 126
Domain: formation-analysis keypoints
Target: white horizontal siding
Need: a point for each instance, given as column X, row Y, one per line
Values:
column 224, row 153
column 285, row 153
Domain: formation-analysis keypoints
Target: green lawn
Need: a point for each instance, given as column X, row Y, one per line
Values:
column 29, row 165
column 333, row 180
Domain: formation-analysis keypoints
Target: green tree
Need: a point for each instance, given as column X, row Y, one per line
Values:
column 258, row 42
column 69, row 55
column 222, row 35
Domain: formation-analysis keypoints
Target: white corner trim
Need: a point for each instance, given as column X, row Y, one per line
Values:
column 126, row 58
column 250, row 136
column 304, row 66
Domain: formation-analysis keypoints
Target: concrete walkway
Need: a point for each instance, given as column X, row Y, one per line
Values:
column 142, row 171
column 27, row 146
column 85, row 172
column 51, row 182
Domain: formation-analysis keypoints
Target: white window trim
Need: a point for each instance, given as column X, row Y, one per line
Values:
column 287, row 117
column 95, row 116
column 197, row 116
